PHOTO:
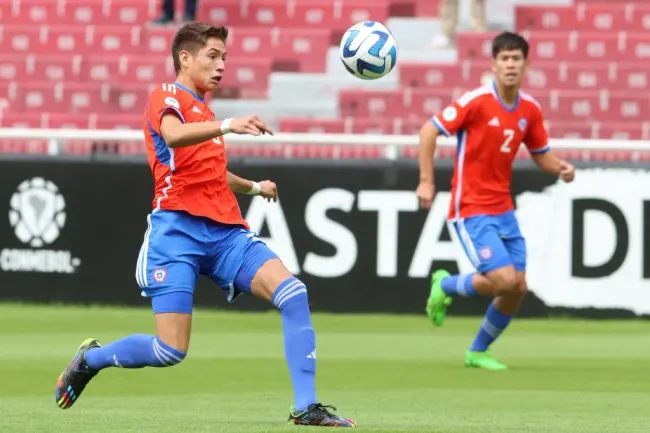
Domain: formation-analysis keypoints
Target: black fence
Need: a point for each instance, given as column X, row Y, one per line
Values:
column 353, row 233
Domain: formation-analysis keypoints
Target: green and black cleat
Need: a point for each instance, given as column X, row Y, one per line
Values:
column 75, row 377
column 319, row 415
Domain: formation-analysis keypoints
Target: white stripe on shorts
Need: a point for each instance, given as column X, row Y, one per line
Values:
column 141, row 271
column 466, row 241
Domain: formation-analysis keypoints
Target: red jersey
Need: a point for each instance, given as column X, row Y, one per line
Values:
column 193, row 178
column 489, row 135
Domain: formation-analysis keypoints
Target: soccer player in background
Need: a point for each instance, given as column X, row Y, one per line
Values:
column 196, row 227
column 490, row 122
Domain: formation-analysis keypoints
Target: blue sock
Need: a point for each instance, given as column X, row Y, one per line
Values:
column 459, row 285
column 299, row 339
column 493, row 325
column 135, row 351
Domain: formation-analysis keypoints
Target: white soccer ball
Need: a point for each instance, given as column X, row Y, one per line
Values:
column 368, row 50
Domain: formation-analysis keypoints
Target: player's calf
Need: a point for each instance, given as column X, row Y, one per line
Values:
column 168, row 348
column 273, row 282
column 134, row 351
column 497, row 317
column 291, row 300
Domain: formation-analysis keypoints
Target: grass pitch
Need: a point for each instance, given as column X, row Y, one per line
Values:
column 391, row 374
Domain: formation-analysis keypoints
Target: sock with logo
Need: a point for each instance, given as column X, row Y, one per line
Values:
column 460, row 285
column 134, row 351
column 493, row 325
column 291, row 300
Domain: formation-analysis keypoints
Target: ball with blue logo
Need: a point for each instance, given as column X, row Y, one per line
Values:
column 368, row 50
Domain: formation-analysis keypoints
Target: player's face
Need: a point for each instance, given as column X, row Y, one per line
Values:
column 509, row 68
column 208, row 65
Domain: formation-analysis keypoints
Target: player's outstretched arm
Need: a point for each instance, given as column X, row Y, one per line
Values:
column 551, row 164
column 265, row 188
column 179, row 134
column 426, row 188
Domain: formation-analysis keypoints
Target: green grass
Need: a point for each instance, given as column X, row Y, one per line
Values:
column 389, row 373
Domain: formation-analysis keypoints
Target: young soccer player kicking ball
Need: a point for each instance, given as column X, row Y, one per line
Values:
column 491, row 123
column 196, row 227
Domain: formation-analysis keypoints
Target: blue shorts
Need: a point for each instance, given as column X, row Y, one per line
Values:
column 178, row 247
column 492, row 241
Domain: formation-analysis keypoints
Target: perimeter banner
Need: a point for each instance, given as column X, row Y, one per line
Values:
column 71, row 232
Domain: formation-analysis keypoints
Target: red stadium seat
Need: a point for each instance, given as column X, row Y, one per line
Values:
column 64, row 97
column 117, row 121
column 332, row 126
column 51, row 40
column 247, row 77
column 359, row 103
column 372, row 126
column 31, row 12
column 610, row 16
column 465, row 74
column 78, row 12
column 22, row 120
column 558, row 45
column 22, row 68
column 129, row 69
column 69, row 121
column 82, row 97
column 595, row 105
column 423, row 103
column 11, row 97
column 325, row 14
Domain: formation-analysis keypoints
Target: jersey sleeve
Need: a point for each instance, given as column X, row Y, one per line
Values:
column 536, row 138
column 456, row 116
column 164, row 99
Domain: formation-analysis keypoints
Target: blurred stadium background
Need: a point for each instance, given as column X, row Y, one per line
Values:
column 88, row 65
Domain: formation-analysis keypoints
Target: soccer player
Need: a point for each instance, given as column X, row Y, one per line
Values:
column 196, row 227
column 490, row 123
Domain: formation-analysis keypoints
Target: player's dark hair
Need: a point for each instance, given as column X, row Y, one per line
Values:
column 194, row 36
column 509, row 41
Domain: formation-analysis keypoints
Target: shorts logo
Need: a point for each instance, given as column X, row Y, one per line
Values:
column 160, row 275
column 485, row 253
column 523, row 124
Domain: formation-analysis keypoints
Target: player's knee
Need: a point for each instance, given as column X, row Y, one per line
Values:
column 522, row 287
column 167, row 355
column 291, row 291
column 269, row 278
column 505, row 281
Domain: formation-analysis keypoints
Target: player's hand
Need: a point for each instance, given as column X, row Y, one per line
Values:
column 425, row 193
column 269, row 190
column 251, row 125
column 567, row 171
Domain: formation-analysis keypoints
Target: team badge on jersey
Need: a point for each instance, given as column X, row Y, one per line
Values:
column 523, row 124
column 160, row 275
column 172, row 102
column 485, row 253
column 449, row 114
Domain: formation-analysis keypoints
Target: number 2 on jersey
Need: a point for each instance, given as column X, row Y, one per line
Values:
column 509, row 134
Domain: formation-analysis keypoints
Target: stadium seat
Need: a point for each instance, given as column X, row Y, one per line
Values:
column 48, row 40
column 29, row 67
column 79, row 12
column 606, row 16
column 330, row 126
column 324, row 14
